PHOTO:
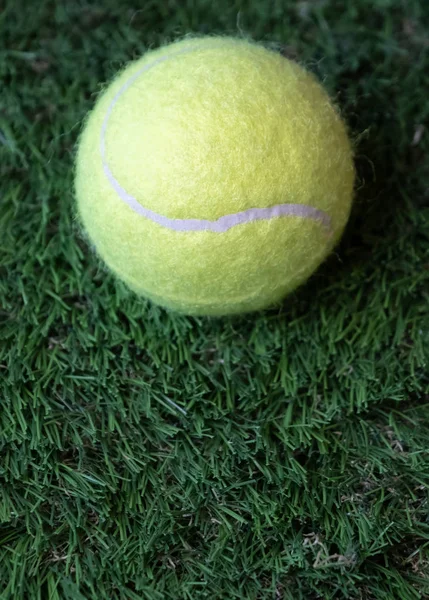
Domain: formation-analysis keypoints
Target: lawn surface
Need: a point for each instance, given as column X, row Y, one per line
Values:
column 145, row 455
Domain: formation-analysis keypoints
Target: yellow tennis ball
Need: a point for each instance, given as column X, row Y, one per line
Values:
column 214, row 176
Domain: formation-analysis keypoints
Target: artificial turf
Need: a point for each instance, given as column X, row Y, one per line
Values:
column 282, row 455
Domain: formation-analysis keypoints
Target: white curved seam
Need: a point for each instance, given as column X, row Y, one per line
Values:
column 219, row 225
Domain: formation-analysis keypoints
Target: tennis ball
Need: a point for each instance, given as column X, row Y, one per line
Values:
column 214, row 175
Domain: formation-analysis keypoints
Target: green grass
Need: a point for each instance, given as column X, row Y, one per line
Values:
column 283, row 455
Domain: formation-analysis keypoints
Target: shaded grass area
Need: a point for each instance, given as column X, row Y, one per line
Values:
column 276, row 456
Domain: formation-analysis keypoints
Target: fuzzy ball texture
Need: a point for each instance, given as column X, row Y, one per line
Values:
column 214, row 176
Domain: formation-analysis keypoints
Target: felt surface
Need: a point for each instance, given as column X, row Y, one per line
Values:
column 217, row 126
